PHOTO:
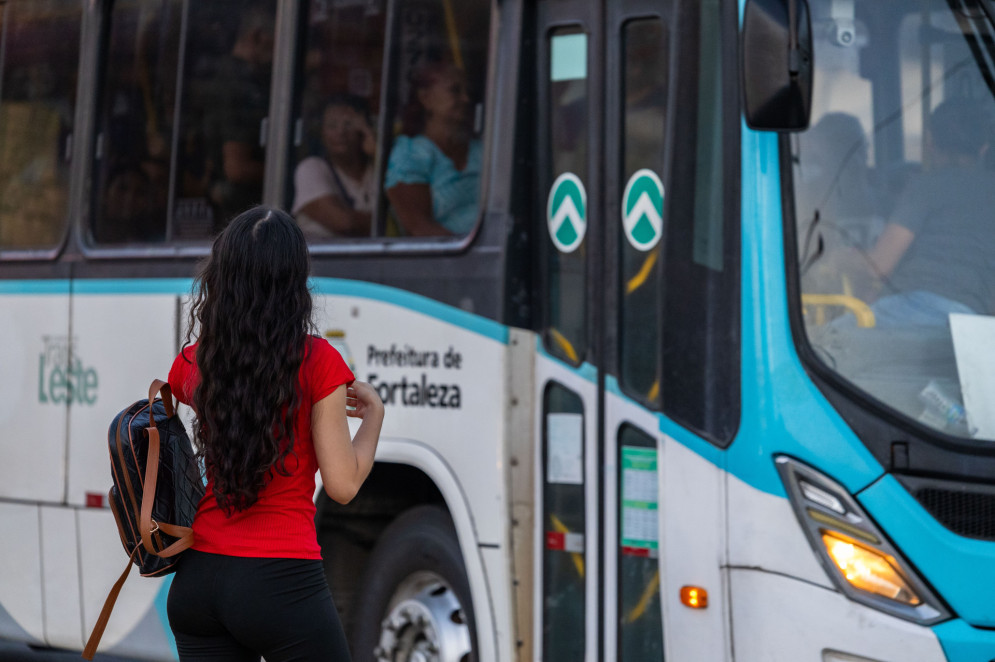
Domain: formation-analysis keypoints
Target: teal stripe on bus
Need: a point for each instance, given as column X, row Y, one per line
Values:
column 441, row 311
column 175, row 286
column 585, row 370
column 321, row 286
column 55, row 286
column 962, row 643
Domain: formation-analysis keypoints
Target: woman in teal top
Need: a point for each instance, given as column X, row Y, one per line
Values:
column 433, row 174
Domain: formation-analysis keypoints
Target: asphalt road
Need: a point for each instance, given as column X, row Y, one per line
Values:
column 12, row 652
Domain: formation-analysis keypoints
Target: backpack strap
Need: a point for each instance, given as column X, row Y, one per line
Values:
column 160, row 387
column 146, row 524
column 98, row 628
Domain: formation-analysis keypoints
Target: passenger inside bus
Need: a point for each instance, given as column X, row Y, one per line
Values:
column 238, row 103
column 835, row 181
column 935, row 255
column 127, row 213
column 334, row 189
column 433, row 174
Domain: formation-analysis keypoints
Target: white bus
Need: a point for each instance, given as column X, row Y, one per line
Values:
column 629, row 416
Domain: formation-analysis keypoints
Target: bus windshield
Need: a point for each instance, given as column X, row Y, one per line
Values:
column 894, row 199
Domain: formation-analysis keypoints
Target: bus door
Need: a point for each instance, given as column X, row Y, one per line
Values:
column 568, row 242
column 638, row 43
column 669, row 325
column 607, row 144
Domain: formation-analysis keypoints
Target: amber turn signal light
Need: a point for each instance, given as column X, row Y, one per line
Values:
column 694, row 597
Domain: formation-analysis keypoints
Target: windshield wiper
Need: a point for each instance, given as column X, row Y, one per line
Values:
column 977, row 34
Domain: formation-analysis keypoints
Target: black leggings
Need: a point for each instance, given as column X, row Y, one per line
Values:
column 234, row 609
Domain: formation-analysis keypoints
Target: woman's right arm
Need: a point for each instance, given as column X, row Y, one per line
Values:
column 344, row 462
column 335, row 215
column 413, row 205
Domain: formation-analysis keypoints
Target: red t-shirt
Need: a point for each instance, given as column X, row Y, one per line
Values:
column 281, row 523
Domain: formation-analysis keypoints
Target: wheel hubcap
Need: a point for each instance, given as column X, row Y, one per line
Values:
column 425, row 623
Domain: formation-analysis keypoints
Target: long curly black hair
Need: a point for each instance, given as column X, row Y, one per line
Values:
column 253, row 309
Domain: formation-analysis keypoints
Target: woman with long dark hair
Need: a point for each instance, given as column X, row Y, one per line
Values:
column 271, row 402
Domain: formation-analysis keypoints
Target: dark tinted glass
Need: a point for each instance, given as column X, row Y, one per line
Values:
column 564, row 524
column 40, row 56
column 565, row 206
column 700, row 382
column 643, row 206
column 640, row 618
column 221, row 153
column 135, row 125
column 177, row 156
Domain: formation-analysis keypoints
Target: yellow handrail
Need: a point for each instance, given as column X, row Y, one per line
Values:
column 644, row 271
column 578, row 559
column 564, row 344
column 453, row 34
column 644, row 600
column 860, row 310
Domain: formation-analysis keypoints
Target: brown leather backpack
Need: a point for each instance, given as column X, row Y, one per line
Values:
column 157, row 487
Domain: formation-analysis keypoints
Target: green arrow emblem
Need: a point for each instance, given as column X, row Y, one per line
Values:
column 642, row 210
column 566, row 212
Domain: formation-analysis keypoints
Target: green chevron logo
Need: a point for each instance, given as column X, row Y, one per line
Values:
column 642, row 210
column 566, row 212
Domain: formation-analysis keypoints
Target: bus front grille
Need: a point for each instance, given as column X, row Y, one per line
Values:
column 967, row 509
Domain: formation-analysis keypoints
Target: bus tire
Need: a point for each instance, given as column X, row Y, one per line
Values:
column 415, row 597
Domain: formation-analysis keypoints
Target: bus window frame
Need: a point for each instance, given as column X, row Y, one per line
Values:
column 688, row 49
column 279, row 140
column 80, row 113
column 670, row 21
column 380, row 244
column 543, row 247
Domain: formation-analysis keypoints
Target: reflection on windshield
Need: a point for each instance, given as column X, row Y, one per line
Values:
column 895, row 205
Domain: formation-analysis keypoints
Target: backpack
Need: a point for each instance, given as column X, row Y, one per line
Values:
column 157, row 487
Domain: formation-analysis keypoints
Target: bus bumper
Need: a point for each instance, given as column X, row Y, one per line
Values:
column 781, row 619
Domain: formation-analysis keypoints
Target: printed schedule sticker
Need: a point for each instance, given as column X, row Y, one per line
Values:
column 640, row 501
column 565, row 449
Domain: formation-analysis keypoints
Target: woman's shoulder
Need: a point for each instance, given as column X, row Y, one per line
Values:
column 183, row 373
column 414, row 146
column 312, row 164
column 412, row 159
column 187, row 355
column 321, row 352
column 324, row 369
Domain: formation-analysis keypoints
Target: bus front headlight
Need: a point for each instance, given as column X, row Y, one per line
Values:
column 856, row 554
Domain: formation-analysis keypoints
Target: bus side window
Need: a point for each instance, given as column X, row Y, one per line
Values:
column 331, row 189
column 40, row 55
column 647, row 60
column 421, row 139
column 134, row 129
column 226, row 96
column 158, row 177
column 701, row 327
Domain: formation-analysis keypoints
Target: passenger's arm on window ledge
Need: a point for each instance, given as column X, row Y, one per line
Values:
column 412, row 204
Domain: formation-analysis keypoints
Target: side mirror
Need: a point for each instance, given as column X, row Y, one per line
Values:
column 777, row 64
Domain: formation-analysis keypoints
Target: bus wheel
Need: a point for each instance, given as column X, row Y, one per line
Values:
column 414, row 603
